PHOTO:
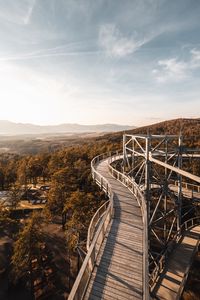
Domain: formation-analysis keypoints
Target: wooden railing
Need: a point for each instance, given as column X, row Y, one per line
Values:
column 186, row 226
column 189, row 186
column 135, row 190
column 97, row 229
column 94, row 224
column 161, row 263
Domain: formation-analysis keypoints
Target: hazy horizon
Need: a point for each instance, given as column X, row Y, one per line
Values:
column 10, row 128
column 98, row 62
column 58, row 124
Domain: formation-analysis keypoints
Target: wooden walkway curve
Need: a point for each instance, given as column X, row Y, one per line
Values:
column 171, row 282
column 118, row 273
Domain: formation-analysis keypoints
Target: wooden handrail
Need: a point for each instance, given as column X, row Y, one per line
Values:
column 175, row 169
column 161, row 263
column 135, row 190
column 82, row 280
column 94, row 222
column 189, row 186
column 94, row 244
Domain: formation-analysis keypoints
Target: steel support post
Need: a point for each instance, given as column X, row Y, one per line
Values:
column 124, row 153
column 147, row 176
column 180, row 141
column 165, row 191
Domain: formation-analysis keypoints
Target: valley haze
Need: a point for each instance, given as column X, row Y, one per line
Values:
column 8, row 128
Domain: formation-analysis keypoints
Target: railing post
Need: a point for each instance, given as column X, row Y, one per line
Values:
column 101, row 180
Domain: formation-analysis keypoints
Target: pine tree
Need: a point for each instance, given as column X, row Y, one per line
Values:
column 27, row 250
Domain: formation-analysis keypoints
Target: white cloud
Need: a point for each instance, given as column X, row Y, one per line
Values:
column 176, row 70
column 28, row 15
column 171, row 70
column 63, row 50
column 195, row 60
column 115, row 43
column 17, row 12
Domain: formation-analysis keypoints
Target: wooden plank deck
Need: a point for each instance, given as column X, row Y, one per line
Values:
column 173, row 277
column 119, row 267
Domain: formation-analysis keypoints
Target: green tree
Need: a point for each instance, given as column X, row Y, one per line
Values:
column 34, row 169
column 4, row 217
column 15, row 195
column 27, row 249
column 62, row 183
column 2, row 179
column 79, row 208
column 22, row 172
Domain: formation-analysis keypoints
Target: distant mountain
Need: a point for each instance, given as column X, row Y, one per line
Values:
column 11, row 128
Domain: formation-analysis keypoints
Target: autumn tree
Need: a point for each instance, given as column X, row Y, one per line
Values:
column 59, row 192
column 79, row 208
column 27, row 248
column 44, row 161
column 22, row 172
column 2, row 179
column 34, row 169
column 15, row 195
column 4, row 217
column 11, row 172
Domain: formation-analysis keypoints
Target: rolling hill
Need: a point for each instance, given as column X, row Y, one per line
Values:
column 11, row 128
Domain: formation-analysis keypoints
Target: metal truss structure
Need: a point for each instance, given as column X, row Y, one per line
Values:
column 155, row 163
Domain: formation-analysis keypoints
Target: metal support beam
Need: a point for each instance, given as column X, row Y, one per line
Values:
column 154, row 162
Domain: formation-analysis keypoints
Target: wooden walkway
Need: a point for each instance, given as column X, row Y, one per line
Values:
column 171, row 282
column 118, row 273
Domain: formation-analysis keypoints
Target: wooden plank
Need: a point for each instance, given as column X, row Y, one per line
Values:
column 111, row 290
column 129, row 237
column 114, row 280
column 116, row 256
column 134, row 266
column 126, row 248
column 124, row 265
column 110, row 283
column 121, row 250
column 136, row 282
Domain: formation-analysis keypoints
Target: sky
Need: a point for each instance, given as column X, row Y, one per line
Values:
column 131, row 62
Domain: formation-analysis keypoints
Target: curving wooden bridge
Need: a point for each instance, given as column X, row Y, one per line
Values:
column 118, row 273
column 117, row 262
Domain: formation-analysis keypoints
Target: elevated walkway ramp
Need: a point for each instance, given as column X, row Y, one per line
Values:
column 171, row 282
column 118, row 273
